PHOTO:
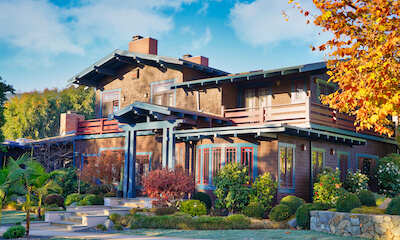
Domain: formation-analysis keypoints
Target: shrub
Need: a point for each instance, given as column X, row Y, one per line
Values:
column 165, row 211
column 303, row 215
column 101, row 227
column 74, row 197
column 54, row 199
column 118, row 227
column 167, row 185
column 11, row 205
column 368, row 210
column 92, row 200
column 254, row 209
column 279, row 213
column 193, row 207
column 327, row 187
column 292, row 202
column 110, row 194
column 230, row 187
column 347, row 202
column 238, row 221
column 264, row 189
column 14, row 232
column 379, row 198
column 115, row 218
column 219, row 212
column 204, row 197
column 388, row 177
column 366, row 198
column 322, row 206
column 355, row 182
column 394, row 206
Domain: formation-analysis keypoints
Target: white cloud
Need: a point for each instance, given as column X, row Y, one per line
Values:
column 261, row 23
column 200, row 41
column 203, row 9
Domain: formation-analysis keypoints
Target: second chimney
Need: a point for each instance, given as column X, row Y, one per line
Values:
column 198, row 59
column 143, row 45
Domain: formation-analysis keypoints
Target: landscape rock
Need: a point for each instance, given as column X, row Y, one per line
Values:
column 293, row 223
column 108, row 223
column 74, row 204
column 385, row 203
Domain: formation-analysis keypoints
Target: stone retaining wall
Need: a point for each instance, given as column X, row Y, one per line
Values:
column 356, row 225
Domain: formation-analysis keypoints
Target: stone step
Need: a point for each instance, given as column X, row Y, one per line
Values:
column 72, row 219
column 63, row 223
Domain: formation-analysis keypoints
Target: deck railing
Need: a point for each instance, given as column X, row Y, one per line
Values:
column 97, row 126
column 293, row 113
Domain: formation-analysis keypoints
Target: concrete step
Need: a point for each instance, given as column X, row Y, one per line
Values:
column 77, row 219
column 87, row 212
column 63, row 223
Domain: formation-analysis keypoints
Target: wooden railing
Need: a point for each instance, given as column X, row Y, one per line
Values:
column 293, row 113
column 97, row 126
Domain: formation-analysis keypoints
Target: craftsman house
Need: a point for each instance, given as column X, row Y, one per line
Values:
column 181, row 113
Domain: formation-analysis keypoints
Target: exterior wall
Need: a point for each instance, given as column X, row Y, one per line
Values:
column 230, row 96
column 210, row 101
column 68, row 122
column 314, row 85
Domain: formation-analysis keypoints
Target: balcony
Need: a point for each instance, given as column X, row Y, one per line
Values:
column 297, row 113
column 97, row 126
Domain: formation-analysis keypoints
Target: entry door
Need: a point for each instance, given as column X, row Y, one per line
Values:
column 142, row 168
column 343, row 166
column 256, row 97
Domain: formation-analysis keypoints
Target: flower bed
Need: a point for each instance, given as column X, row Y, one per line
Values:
column 356, row 225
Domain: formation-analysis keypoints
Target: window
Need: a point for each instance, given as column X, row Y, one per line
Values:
column 199, row 166
column 247, row 160
column 298, row 90
column 216, row 161
column 367, row 165
column 317, row 162
column 162, row 94
column 230, row 155
column 325, row 88
column 142, row 168
column 286, row 166
column 206, row 166
column 109, row 103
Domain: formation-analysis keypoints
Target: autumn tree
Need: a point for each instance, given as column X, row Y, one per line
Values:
column 363, row 58
column 105, row 168
column 36, row 114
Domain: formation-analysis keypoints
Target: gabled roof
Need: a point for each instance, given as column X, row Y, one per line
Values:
column 109, row 65
column 252, row 75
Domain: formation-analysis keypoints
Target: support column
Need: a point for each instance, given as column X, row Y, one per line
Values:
column 126, row 163
column 164, row 147
column 171, row 148
column 132, row 166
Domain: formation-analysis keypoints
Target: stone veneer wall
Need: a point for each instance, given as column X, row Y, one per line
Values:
column 356, row 225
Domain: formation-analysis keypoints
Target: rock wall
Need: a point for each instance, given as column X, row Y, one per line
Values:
column 356, row 225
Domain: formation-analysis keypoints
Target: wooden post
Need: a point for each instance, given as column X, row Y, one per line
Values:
column 222, row 110
column 261, row 110
column 308, row 110
column 101, row 125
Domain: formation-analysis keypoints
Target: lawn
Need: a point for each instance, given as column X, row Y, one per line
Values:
column 13, row 216
column 237, row 234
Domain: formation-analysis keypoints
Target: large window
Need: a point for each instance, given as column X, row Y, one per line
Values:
column 317, row 162
column 162, row 94
column 247, row 160
column 367, row 164
column 142, row 167
column 216, row 161
column 230, row 155
column 206, row 166
column 256, row 97
column 109, row 103
column 286, row 166
column 299, row 90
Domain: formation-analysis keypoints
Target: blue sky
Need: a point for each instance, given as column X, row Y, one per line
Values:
column 44, row 43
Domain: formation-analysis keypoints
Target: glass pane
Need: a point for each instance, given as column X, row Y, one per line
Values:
column 250, row 98
column 289, row 167
column 216, row 161
column 230, row 155
column 263, row 96
column 206, row 159
column 283, row 166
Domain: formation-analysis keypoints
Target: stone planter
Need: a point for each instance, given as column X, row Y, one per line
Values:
column 356, row 225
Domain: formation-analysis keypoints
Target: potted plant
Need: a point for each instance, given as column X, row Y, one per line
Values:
column 120, row 184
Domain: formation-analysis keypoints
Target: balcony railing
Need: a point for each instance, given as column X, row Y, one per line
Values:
column 97, row 126
column 293, row 113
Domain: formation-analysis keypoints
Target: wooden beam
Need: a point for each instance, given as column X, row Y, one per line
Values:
column 105, row 71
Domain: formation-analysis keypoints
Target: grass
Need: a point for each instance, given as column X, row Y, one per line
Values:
column 14, row 216
column 237, row 234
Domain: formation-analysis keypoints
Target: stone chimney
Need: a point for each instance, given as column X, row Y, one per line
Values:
column 143, row 45
column 198, row 59
column 69, row 122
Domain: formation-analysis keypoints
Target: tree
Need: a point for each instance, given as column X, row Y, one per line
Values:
column 364, row 59
column 36, row 115
column 4, row 88
column 106, row 168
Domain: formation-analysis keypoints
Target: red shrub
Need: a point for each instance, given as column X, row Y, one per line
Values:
column 167, row 185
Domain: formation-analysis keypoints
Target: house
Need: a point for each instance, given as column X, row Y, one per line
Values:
column 181, row 113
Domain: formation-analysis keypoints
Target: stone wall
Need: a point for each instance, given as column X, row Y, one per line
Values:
column 356, row 225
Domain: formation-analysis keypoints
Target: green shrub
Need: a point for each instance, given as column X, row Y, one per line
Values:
column 394, row 206
column 322, row 206
column 118, row 227
column 366, row 198
column 101, row 227
column 379, row 198
column 230, row 187
column 279, row 213
column 388, row 176
column 193, row 207
column 54, row 199
column 110, row 194
column 69, row 182
column 115, row 218
column 347, row 202
column 238, row 221
column 165, row 211
column 204, row 197
column 14, row 232
column 11, row 205
column 368, row 210
column 263, row 190
column 255, row 210
column 303, row 215
column 92, row 200
column 355, row 182
column 219, row 212
column 292, row 202
column 327, row 186
column 74, row 197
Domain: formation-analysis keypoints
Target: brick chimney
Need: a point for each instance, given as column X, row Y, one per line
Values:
column 143, row 45
column 198, row 59
column 69, row 122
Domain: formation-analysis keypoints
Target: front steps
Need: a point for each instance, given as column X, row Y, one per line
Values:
column 82, row 217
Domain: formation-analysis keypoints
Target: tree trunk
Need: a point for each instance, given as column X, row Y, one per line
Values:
column 28, row 214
